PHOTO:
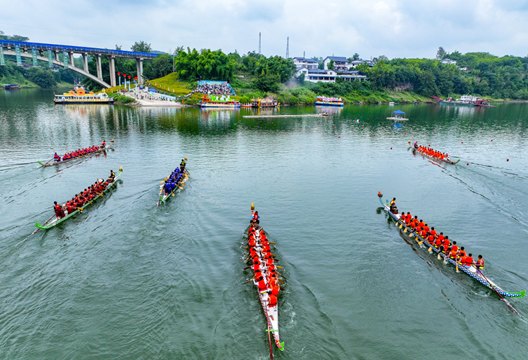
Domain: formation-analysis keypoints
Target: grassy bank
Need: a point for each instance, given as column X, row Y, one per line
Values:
column 291, row 95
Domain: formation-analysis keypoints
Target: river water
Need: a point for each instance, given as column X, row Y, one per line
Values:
column 129, row 280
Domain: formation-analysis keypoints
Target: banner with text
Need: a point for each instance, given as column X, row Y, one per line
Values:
column 34, row 55
column 18, row 57
column 65, row 58
column 2, row 59
column 50, row 58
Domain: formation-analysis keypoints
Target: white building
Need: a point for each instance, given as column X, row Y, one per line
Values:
column 340, row 63
column 330, row 76
column 303, row 62
column 448, row 61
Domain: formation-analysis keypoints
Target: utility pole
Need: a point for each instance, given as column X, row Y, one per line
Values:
column 288, row 47
column 304, row 54
column 259, row 43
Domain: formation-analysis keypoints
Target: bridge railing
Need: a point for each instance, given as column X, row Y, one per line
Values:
column 77, row 49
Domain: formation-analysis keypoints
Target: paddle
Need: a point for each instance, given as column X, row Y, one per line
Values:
column 498, row 293
column 269, row 340
column 250, row 280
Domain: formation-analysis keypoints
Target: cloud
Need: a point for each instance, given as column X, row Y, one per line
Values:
column 395, row 28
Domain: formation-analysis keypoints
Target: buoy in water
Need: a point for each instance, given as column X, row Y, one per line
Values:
column 507, row 159
column 391, row 148
column 491, row 139
column 467, row 164
column 339, row 137
column 462, row 142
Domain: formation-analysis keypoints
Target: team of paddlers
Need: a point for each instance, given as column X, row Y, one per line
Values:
column 431, row 152
column 84, row 197
column 266, row 276
column 79, row 152
column 440, row 241
column 175, row 178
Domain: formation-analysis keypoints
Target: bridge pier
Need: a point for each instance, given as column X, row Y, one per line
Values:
column 56, row 55
column 112, row 71
column 85, row 61
column 99, row 68
column 70, row 56
column 139, row 66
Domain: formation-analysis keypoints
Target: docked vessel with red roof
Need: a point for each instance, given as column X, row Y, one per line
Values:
column 328, row 101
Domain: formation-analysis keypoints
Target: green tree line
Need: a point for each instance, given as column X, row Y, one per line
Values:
column 479, row 73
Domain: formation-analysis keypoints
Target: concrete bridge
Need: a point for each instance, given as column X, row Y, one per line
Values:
column 46, row 51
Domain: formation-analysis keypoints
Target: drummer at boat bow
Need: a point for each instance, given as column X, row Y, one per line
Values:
column 393, row 207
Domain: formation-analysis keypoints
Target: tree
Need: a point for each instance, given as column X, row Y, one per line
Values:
column 441, row 53
column 301, row 78
column 18, row 38
column 331, row 64
column 141, row 46
column 267, row 83
column 43, row 78
column 354, row 57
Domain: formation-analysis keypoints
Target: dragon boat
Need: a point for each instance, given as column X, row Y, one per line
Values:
column 469, row 270
column 416, row 151
column 52, row 162
column 52, row 222
column 270, row 312
column 179, row 186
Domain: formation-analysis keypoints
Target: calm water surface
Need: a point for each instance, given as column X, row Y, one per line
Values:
column 127, row 280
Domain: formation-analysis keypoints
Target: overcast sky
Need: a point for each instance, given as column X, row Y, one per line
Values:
column 394, row 28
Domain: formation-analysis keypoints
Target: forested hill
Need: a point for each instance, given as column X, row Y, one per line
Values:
column 480, row 74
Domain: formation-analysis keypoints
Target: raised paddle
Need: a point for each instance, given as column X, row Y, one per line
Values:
column 498, row 293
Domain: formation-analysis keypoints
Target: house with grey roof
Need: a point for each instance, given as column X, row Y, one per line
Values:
column 303, row 62
column 316, row 75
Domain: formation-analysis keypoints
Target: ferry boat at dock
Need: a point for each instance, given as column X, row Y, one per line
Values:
column 264, row 103
column 217, row 101
column 11, row 86
column 80, row 96
column 465, row 100
column 326, row 101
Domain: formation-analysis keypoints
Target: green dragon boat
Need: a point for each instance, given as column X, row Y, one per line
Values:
column 54, row 221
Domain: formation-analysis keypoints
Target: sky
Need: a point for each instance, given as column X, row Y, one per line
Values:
column 394, row 28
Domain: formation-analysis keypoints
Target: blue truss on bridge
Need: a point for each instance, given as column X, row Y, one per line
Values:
column 77, row 49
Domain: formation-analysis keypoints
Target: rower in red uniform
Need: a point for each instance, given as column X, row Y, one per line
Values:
column 261, row 284
column 433, row 231
column 468, row 261
column 59, row 213
column 103, row 145
column 56, row 157
column 437, row 242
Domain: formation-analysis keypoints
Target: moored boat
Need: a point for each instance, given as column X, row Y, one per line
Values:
column 464, row 100
column 264, row 103
column 12, row 86
column 178, row 183
column 446, row 160
column 268, row 286
column 54, row 221
column 328, row 101
column 219, row 101
column 80, row 96
column 469, row 270
column 52, row 162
